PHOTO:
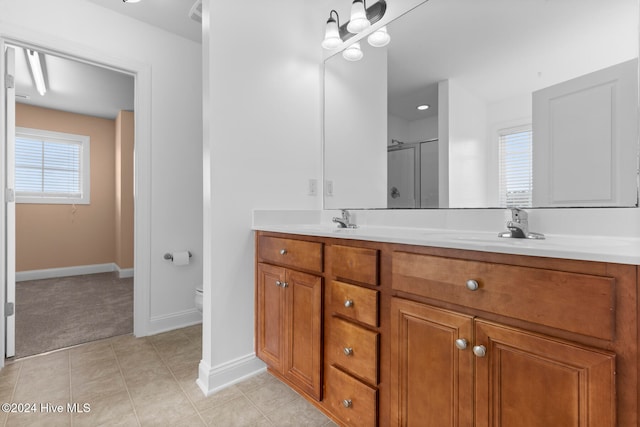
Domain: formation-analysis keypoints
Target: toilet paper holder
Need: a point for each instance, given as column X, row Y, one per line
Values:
column 169, row 257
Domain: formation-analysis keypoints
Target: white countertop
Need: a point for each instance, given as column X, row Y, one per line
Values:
column 590, row 248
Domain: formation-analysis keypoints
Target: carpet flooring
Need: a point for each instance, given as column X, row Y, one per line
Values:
column 62, row 312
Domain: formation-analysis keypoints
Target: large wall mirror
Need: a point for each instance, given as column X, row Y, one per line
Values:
column 531, row 103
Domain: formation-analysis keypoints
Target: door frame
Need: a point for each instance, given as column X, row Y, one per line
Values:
column 142, row 162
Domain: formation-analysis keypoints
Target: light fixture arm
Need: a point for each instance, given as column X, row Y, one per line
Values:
column 374, row 14
column 337, row 18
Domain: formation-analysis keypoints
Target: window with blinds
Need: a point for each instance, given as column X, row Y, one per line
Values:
column 51, row 167
column 515, row 163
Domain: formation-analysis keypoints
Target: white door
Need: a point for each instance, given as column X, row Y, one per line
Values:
column 590, row 121
column 401, row 173
column 10, row 213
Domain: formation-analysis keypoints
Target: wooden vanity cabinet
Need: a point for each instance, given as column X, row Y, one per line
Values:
column 289, row 312
column 455, row 368
column 384, row 334
column 352, row 336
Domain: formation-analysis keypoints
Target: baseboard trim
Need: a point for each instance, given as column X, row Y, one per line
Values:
column 124, row 273
column 211, row 380
column 169, row 322
column 51, row 273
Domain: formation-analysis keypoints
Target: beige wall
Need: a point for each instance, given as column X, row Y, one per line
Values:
column 55, row 236
column 124, row 189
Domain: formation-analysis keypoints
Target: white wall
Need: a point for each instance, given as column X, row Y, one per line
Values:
column 262, row 142
column 355, row 115
column 467, row 148
column 168, row 138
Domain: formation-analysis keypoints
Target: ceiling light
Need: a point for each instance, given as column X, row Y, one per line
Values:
column 423, row 107
column 36, row 71
column 358, row 22
column 353, row 52
column 332, row 33
column 130, row 1
column 379, row 38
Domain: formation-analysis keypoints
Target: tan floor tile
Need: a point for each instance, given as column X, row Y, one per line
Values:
column 109, row 410
column 45, row 365
column 194, row 333
column 90, row 370
column 239, row 412
column 97, row 388
column 53, row 389
column 150, row 381
column 257, row 381
column 9, row 374
column 271, row 397
column 164, row 409
column 298, row 413
column 39, row 419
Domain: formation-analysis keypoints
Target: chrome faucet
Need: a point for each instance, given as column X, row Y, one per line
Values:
column 518, row 226
column 345, row 220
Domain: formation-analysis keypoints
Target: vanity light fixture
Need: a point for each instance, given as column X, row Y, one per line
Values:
column 332, row 33
column 358, row 22
column 36, row 71
column 353, row 52
column 423, row 107
column 379, row 37
column 336, row 34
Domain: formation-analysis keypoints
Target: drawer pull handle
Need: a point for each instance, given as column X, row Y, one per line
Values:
column 480, row 350
column 348, row 351
column 283, row 251
column 461, row 343
column 348, row 303
column 472, row 285
column 347, row 403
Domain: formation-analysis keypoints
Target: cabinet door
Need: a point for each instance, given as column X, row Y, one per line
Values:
column 270, row 312
column 431, row 378
column 304, row 331
column 530, row 380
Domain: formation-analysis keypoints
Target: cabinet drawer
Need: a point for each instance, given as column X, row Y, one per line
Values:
column 354, row 302
column 290, row 253
column 353, row 348
column 575, row 302
column 357, row 264
column 353, row 401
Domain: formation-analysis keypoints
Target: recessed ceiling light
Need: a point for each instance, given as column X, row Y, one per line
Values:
column 422, row 107
column 130, row 1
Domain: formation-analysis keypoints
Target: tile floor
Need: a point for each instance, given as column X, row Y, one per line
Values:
column 127, row 381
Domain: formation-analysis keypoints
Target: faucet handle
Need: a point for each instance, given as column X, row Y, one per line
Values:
column 518, row 215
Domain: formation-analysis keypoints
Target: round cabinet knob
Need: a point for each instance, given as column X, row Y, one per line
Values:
column 480, row 350
column 461, row 343
column 472, row 285
column 284, row 284
column 283, row 251
column 348, row 303
column 278, row 283
column 348, row 351
column 347, row 403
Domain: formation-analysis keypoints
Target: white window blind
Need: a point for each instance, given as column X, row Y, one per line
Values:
column 51, row 167
column 515, row 162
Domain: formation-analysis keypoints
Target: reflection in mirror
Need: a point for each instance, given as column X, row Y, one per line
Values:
column 530, row 103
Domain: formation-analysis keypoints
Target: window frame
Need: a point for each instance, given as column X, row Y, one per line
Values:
column 503, row 200
column 85, row 167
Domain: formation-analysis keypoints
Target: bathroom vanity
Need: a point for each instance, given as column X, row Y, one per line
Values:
column 378, row 331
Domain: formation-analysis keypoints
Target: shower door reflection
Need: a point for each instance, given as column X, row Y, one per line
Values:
column 412, row 175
